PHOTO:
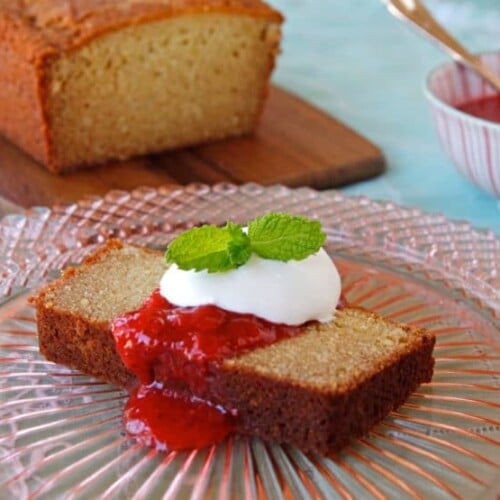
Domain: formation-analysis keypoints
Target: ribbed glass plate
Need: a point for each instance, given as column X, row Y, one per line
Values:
column 61, row 433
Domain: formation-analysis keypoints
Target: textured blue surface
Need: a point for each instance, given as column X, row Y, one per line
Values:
column 354, row 60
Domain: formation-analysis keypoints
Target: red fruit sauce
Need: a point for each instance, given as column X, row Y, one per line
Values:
column 487, row 108
column 172, row 351
column 167, row 420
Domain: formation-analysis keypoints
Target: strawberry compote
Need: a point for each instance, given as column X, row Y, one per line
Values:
column 172, row 350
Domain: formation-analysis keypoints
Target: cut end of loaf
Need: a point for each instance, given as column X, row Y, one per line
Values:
column 159, row 85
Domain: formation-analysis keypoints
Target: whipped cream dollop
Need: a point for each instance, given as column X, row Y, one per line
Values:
column 291, row 293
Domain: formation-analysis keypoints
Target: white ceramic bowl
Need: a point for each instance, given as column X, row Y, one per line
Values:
column 472, row 143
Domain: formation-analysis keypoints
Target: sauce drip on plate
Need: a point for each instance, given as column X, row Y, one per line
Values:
column 487, row 108
column 172, row 351
column 167, row 420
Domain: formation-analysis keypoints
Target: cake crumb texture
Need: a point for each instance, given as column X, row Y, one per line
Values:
column 111, row 282
column 335, row 356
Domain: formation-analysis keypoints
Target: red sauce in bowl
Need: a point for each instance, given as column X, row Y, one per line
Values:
column 179, row 345
column 487, row 108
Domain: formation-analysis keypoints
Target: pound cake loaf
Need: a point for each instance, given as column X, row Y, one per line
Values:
column 85, row 81
column 316, row 390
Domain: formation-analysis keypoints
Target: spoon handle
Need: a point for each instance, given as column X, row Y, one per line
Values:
column 413, row 12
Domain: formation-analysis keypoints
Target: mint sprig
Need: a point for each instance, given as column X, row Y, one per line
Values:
column 216, row 249
column 276, row 236
column 285, row 237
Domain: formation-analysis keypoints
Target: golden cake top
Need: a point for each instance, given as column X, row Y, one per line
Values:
column 65, row 24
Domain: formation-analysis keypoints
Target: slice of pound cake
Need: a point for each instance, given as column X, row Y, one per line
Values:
column 317, row 389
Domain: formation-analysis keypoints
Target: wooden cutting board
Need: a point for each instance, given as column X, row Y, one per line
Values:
column 295, row 144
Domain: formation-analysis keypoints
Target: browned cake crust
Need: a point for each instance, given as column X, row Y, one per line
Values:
column 35, row 36
column 288, row 392
column 83, row 345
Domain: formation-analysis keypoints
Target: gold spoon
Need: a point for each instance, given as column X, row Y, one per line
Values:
column 414, row 13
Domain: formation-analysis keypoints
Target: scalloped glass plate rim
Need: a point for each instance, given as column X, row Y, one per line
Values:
column 477, row 283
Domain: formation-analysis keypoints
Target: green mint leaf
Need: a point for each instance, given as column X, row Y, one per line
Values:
column 239, row 245
column 216, row 249
column 285, row 237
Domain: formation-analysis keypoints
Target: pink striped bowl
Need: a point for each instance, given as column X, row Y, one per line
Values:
column 472, row 143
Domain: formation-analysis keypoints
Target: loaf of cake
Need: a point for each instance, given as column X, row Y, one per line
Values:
column 316, row 390
column 86, row 81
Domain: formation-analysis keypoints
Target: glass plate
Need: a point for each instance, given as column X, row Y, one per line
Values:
column 61, row 433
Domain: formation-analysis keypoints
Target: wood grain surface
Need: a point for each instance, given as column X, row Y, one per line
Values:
column 295, row 144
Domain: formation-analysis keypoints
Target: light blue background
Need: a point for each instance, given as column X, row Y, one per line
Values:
column 354, row 60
